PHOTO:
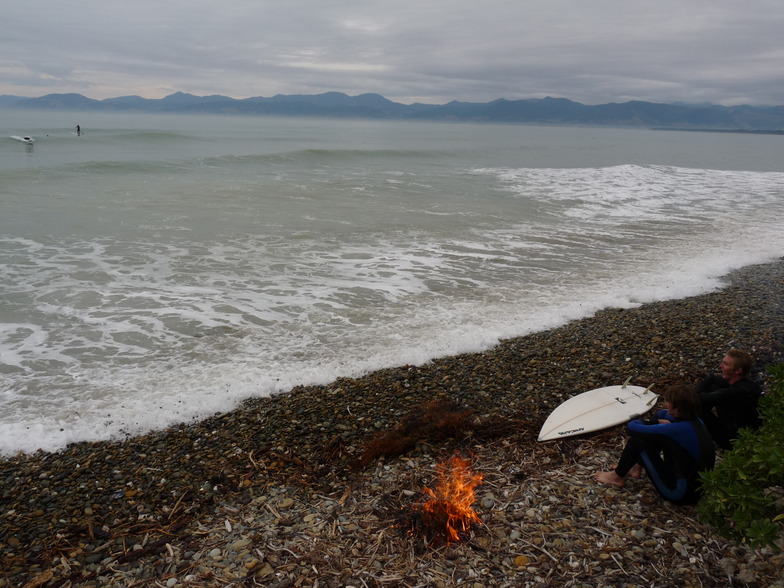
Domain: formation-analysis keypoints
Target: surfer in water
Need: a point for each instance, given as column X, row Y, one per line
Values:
column 78, row 130
column 673, row 448
column 729, row 401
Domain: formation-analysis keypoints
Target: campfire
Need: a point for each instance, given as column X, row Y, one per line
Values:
column 448, row 512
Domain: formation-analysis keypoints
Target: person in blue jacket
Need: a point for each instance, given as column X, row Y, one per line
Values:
column 672, row 448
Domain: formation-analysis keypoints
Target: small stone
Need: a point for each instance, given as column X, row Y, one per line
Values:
column 286, row 503
column 729, row 565
column 241, row 544
column 522, row 561
column 747, row 576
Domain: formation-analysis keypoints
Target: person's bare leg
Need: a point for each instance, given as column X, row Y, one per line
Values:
column 636, row 471
column 610, row 478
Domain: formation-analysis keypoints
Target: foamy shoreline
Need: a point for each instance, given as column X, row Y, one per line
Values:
column 178, row 487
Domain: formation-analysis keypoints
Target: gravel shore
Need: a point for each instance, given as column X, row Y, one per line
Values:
column 316, row 487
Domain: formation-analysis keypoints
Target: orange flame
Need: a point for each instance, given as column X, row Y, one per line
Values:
column 449, row 511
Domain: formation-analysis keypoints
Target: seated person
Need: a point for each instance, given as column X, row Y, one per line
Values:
column 729, row 401
column 673, row 448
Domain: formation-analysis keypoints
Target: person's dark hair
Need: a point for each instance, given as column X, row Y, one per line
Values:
column 684, row 399
column 741, row 359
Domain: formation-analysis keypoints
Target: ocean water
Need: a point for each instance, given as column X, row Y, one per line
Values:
column 160, row 268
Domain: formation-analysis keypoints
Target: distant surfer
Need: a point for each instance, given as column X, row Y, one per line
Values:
column 729, row 401
column 78, row 130
column 672, row 448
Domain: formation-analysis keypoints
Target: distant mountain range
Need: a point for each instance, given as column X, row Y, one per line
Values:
column 558, row 111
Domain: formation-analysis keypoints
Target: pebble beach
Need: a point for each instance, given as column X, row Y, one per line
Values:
column 316, row 487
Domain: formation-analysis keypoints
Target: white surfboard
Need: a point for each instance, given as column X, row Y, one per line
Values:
column 597, row 409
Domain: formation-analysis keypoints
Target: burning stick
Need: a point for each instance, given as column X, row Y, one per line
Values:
column 448, row 512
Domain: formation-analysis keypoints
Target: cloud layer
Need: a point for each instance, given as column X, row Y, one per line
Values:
column 719, row 51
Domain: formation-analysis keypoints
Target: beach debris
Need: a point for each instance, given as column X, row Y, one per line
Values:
column 432, row 421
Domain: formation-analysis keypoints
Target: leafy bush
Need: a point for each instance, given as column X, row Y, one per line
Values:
column 744, row 495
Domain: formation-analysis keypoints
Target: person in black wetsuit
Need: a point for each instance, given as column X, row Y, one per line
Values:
column 729, row 401
column 672, row 448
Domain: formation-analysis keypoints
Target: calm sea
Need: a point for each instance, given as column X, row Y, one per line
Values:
column 157, row 269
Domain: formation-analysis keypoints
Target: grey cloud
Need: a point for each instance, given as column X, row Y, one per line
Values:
column 437, row 51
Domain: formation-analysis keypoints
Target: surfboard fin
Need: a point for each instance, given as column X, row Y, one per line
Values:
column 655, row 396
column 629, row 379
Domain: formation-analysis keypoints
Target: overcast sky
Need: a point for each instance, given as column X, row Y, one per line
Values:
column 433, row 51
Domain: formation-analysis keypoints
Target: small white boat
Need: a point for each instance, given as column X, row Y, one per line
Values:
column 28, row 140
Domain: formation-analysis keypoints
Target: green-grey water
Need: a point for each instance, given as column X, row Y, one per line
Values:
column 158, row 268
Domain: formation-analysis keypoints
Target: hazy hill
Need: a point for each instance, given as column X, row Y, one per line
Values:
column 336, row 104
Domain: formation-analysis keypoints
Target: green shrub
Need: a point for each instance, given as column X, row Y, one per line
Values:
column 744, row 495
